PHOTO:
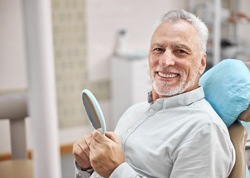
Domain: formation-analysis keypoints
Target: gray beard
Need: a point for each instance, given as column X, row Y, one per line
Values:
column 165, row 90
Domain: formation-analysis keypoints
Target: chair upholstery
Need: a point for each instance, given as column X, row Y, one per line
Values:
column 245, row 115
column 227, row 89
column 238, row 135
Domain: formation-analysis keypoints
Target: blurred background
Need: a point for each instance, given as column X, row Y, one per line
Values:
column 103, row 46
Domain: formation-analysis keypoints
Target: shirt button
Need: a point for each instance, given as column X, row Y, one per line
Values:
column 129, row 130
column 151, row 110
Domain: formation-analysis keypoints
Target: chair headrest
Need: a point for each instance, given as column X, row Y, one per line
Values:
column 227, row 89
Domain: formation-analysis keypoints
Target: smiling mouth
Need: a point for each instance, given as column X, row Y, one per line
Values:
column 168, row 75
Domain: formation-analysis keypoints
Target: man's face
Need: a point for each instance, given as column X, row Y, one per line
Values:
column 175, row 60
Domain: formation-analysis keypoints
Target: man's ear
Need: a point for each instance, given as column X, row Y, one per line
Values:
column 203, row 64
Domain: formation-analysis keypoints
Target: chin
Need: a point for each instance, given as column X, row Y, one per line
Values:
column 163, row 91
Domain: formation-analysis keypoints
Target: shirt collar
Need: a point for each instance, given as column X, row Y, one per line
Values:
column 183, row 99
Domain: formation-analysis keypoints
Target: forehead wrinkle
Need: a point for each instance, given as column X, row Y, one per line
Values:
column 158, row 44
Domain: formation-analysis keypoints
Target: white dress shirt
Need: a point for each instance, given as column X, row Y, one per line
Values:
column 175, row 137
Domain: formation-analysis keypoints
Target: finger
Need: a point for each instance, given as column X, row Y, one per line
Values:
column 83, row 163
column 112, row 136
column 81, row 151
column 81, row 159
column 97, row 136
column 80, row 156
column 97, row 141
column 88, row 141
column 81, row 147
column 99, row 130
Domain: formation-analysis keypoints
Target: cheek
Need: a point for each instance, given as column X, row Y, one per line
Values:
column 153, row 60
column 152, row 63
column 188, row 69
column 192, row 71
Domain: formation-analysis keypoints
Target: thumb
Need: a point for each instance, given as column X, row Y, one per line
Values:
column 112, row 136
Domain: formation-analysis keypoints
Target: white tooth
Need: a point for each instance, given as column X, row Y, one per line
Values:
column 167, row 75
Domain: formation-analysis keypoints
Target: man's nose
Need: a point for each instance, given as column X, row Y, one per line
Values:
column 166, row 59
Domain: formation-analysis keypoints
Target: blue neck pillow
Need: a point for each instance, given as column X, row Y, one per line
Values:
column 227, row 89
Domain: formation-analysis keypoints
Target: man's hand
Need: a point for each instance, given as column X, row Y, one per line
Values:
column 81, row 152
column 106, row 153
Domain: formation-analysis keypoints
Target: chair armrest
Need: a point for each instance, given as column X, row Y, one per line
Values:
column 238, row 135
column 13, row 106
column 245, row 115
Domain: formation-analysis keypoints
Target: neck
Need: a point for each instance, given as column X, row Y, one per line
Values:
column 155, row 95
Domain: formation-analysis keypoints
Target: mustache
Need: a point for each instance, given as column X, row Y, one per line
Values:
column 167, row 70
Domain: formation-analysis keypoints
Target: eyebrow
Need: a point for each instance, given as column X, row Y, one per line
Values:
column 181, row 46
column 157, row 44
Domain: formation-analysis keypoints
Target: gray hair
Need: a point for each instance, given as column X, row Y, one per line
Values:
column 196, row 22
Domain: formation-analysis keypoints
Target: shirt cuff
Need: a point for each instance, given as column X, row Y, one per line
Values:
column 124, row 170
column 79, row 173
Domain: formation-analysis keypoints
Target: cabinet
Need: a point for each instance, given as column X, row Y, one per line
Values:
column 222, row 18
column 130, row 83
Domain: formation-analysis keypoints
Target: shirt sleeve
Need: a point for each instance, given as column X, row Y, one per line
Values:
column 122, row 171
column 208, row 153
column 125, row 171
column 81, row 174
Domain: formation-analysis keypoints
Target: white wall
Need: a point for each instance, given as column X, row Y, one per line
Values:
column 12, row 60
column 104, row 18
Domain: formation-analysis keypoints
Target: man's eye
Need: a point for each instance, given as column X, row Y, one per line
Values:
column 158, row 50
column 180, row 51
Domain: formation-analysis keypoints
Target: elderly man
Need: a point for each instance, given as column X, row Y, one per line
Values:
column 177, row 133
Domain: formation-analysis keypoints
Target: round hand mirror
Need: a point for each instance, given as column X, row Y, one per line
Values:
column 93, row 110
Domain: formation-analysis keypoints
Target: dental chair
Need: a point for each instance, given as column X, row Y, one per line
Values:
column 238, row 135
column 227, row 89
